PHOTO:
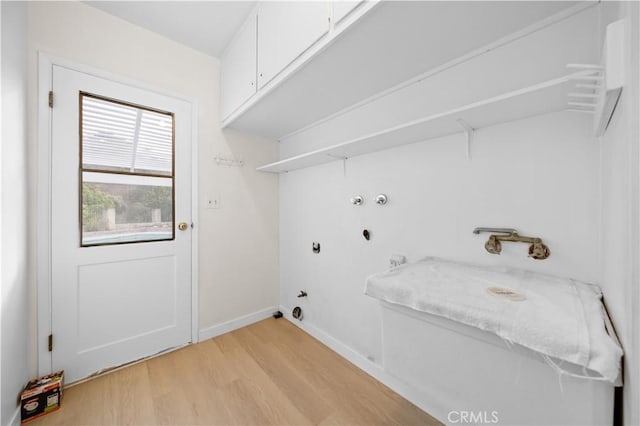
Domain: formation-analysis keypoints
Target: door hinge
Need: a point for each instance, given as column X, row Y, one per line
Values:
column 51, row 343
column 50, row 99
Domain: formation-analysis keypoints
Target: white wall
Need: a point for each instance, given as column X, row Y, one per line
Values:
column 242, row 232
column 15, row 359
column 620, row 186
column 537, row 175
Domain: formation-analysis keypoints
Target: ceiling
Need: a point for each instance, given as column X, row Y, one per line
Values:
column 207, row 26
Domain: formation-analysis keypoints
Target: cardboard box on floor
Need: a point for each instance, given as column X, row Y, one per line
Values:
column 41, row 396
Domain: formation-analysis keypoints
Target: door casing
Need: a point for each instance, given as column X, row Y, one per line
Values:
column 43, row 215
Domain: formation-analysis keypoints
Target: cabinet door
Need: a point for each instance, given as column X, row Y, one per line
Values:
column 342, row 8
column 286, row 30
column 238, row 69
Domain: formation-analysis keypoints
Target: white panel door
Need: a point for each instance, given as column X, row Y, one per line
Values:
column 120, row 185
column 285, row 31
column 238, row 69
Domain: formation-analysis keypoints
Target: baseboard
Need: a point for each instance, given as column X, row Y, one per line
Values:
column 371, row 368
column 234, row 324
column 15, row 419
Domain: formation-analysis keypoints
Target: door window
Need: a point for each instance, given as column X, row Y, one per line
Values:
column 126, row 172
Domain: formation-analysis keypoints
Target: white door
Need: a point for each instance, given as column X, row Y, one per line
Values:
column 120, row 187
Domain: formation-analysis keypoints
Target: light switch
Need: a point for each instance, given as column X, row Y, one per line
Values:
column 213, row 202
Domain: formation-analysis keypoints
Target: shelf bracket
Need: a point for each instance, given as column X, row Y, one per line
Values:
column 344, row 162
column 469, row 132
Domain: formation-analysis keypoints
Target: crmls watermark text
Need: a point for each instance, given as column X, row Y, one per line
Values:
column 473, row 417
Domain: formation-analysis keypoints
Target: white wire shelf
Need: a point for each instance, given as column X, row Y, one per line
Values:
column 542, row 98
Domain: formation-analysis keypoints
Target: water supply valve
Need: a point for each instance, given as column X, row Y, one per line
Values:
column 537, row 250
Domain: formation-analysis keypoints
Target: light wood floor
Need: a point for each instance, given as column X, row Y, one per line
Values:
column 268, row 373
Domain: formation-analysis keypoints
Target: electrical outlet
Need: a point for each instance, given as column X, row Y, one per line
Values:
column 213, row 202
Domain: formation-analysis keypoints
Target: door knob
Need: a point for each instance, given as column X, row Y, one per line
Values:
column 182, row 226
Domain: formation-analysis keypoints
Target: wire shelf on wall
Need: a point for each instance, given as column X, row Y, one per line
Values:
column 548, row 96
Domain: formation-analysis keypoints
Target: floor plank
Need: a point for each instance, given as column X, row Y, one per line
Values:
column 269, row 373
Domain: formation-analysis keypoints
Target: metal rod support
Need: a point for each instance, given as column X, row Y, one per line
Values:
column 505, row 231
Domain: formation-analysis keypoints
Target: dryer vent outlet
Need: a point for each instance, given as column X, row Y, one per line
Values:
column 297, row 313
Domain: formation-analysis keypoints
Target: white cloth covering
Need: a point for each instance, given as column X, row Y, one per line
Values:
column 559, row 317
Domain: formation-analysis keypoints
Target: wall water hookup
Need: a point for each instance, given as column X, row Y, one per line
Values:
column 396, row 260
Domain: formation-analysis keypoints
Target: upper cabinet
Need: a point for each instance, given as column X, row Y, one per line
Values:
column 285, row 31
column 277, row 39
column 311, row 70
column 274, row 35
column 238, row 69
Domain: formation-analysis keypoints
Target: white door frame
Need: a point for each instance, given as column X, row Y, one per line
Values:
column 43, row 227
